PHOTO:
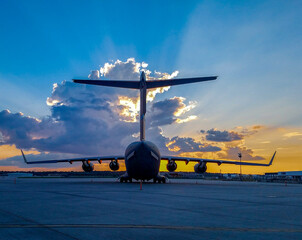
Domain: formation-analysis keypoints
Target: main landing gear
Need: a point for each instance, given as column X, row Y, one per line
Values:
column 159, row 179
column 125, row 178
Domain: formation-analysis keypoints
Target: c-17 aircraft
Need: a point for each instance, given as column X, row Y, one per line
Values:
column 142, row 158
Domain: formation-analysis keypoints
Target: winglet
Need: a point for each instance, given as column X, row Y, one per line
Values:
column 24, row 158
column 270, row 163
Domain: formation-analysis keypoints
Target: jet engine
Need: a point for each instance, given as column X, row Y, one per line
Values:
column 171, row 166
column 114, row 165
column 200, row 167
column 87, row 166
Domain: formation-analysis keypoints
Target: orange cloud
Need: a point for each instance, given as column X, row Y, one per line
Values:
column 7, row 151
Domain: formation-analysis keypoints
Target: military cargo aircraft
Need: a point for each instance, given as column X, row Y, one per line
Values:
column 142, row 158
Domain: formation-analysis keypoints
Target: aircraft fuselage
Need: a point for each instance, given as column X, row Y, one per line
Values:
column 142, row 160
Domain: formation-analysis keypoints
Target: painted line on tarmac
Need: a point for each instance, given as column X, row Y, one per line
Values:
column 227, row 229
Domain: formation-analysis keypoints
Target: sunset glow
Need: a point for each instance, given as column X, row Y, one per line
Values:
column 253, row 107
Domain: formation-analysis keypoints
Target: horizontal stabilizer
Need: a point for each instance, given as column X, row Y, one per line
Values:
column 110, row 83
column 179, row 81
column 150, row 83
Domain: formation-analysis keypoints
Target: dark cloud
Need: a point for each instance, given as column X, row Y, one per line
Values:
column 163, row 111
column 168, row 111
column 222, row 136
column 184, row 144
column 70, row 130
column 232, row 153
column 23, row 130
column 155, row 135
column 209, row 148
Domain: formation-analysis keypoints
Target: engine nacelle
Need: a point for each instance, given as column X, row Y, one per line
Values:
column 114, row 165
column 171, row 166
column 87, row 166
column 200, row 167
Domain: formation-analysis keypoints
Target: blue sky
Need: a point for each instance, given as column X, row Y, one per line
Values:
column 46, row 42
column 253, row 46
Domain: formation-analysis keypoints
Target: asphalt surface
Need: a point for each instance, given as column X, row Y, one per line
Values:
column 44, row 208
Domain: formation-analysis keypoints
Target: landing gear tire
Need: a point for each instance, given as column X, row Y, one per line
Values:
column 159, row 179
column 125, row 179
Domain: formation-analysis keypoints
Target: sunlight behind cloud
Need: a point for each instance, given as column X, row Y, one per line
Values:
column 184, row 108
column 130, row 108
column 190, row 118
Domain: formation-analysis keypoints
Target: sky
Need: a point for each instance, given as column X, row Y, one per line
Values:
column 254, row 107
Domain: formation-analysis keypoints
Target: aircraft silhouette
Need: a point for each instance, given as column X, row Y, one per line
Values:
column 142, row 158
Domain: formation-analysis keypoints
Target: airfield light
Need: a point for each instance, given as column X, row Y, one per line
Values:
column 240, row 156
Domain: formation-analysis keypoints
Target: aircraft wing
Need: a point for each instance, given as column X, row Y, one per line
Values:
column 71, row 160
column 218, row 161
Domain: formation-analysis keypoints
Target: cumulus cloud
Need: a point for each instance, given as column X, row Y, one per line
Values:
column 221, row 136
column 130, row 70
column 95, row 75
column 89, row 120
column 70, row 129
column 128, row 106
column 118, row 70
column 23, row 130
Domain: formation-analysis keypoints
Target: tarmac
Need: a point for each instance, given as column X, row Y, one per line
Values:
column 81, row 208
